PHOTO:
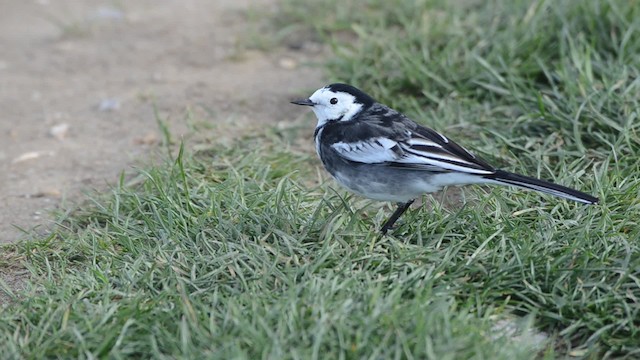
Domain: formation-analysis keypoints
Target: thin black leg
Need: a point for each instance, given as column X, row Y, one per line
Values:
column 395, row 216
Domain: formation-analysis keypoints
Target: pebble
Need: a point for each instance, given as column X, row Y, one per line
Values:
column 148, row 139
column 530, row 337
column 31, row 155
column 46, row 193
column 59, row 131
column 109, row 13
column 109, row 105
column 288, row 63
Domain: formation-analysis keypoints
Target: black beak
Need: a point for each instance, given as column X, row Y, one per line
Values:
column 306, row 102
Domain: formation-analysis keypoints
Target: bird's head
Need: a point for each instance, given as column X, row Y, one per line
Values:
column 336, row 102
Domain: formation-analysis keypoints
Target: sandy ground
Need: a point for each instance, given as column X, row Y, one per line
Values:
column 79, row 81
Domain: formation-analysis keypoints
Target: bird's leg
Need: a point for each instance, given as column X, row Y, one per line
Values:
column 402, row 207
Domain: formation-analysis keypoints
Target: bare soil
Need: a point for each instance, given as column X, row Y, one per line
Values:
column 79, row 81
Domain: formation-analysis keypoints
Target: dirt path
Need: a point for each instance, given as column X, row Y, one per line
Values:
column 78, row 80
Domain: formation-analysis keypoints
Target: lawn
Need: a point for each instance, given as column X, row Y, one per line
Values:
column 251, row 252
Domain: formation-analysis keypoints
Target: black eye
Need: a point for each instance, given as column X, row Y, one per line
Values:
column 333, row 101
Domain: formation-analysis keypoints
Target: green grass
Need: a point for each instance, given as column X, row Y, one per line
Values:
column 239, row 253
column 206, row 258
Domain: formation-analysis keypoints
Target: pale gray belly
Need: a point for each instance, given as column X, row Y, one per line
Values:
column 378, row 182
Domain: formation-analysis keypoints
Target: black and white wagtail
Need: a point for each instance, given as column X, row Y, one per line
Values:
column 381, row 154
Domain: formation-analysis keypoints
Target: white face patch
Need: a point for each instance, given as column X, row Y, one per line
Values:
column 331, row 105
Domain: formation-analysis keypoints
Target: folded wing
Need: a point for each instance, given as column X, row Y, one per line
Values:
column 420, row 148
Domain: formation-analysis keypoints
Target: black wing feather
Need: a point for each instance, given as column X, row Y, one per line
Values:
column 381, row 121
column 451, row 147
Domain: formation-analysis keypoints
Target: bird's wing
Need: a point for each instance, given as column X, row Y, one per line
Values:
column 415, row 147
column 430, row 144
column 373, row 150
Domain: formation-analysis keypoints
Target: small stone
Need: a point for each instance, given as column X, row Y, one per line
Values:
column 288, row 63
column 148, row 139
column 109, row 105
column 59, row 131
column 31, row 155
column 109, row 13
column 526, row 337
column 50, row 192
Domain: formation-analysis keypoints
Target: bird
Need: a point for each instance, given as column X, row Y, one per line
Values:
column 381, row 154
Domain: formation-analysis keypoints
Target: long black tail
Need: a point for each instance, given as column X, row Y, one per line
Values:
column 527, row 182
